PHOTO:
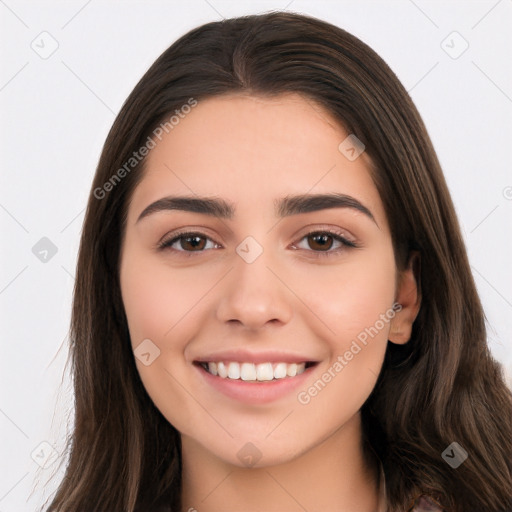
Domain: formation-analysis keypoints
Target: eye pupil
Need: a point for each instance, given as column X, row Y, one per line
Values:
column 195, row 242
column 321, row 239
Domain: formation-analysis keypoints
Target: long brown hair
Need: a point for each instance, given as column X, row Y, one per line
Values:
column 442, row 387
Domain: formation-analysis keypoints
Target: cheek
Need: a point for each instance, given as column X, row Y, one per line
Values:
column 159, row 306
column 356, row 305
column 157, row 299
column 349, row 298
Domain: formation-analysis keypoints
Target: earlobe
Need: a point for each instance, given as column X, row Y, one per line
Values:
column 409, row 297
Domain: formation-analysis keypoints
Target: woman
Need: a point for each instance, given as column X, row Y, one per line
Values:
column 274, row 308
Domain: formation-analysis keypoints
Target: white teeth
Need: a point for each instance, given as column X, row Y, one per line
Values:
column 222, row 370
column 234, row 371
column 248, row 371
column 291, row 371
column 253, row 372
column 280, row 370
column 264, row 371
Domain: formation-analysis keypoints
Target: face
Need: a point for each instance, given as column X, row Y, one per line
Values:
column 299, row 295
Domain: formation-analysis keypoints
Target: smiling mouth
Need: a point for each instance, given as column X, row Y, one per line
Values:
column 250, row 372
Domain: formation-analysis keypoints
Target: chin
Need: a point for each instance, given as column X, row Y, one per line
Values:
column 256, row 455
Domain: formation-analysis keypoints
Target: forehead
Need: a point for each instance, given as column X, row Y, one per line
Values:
column 252, row 150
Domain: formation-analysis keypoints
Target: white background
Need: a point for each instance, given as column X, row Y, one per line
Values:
column 55, row 114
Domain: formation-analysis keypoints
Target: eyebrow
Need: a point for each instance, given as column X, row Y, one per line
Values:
column 284, row 207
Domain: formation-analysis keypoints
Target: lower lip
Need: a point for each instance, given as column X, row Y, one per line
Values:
column 255, row 392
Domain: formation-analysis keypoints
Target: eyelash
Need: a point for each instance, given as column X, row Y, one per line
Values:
column 346, row 244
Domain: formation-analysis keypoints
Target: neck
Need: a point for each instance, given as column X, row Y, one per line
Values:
column 332, row 476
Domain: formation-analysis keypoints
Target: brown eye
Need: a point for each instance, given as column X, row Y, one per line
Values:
column 320, row 241
column 192, row 242
column 325, row 243
column 188, row 242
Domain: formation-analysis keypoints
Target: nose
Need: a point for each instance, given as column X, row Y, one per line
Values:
column 255, row 294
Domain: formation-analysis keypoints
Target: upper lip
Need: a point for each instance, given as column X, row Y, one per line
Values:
column 245, row 356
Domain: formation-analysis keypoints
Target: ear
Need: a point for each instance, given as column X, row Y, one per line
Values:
column 409, row 297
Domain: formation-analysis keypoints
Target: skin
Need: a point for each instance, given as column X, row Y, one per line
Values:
column 250, row 151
